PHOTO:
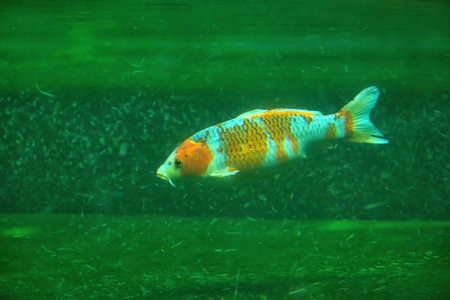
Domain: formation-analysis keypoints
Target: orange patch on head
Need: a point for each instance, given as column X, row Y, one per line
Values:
column 349, row 122
column 194, row 157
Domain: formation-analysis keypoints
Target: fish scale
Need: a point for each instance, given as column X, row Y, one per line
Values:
column 264, row 138
column 240, row 146
column 261, row 139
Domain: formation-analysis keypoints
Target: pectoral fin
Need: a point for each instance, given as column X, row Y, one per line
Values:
column 224, row 174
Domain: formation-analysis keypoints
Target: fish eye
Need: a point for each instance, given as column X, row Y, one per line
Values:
column 178, row 163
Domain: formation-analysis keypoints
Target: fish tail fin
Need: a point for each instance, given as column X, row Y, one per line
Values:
column 358, row 127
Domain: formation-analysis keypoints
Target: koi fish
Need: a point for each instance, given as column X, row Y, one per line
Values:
column 261, row 139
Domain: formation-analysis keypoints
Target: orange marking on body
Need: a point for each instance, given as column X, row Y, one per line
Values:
column 195, row 158
column 349, row 122
column 331, row 132
column 245, row 146
column 307, row 116
column 304, row 114
column 308, row 120
column 278, row 124
column 295, row 143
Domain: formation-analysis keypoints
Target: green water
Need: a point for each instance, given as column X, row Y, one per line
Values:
column 94, row 95
column 66, row 257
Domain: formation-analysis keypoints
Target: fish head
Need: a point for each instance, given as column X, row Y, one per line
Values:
column 190, row 160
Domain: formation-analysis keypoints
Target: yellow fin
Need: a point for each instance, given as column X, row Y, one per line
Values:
column 359, row 110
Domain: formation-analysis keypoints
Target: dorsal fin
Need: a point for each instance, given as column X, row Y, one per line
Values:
column 252, row 113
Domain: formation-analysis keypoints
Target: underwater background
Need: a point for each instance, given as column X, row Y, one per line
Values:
column 94, row 96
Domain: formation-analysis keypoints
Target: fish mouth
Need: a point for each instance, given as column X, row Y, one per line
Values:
column 164, row 177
